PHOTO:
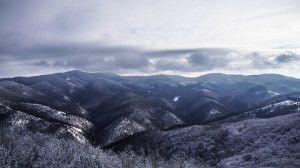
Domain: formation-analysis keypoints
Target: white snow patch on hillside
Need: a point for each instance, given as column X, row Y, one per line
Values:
column 176, row 98
column 187, row 83
column 68, row 78
column 214, row 111
column 273, row 93
column 48, row 112
column 120, row 129
column 61, row 113
column 205, row 90
column 72, row 84
column 283, row 103
column 77, row 134
column 82, row 110
column 66, row 98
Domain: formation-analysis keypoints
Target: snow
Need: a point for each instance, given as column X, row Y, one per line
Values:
column 149, row 91
column 252, row 136
column 273, row 93
column 68, row 78
column 280, row 106
column 77, row 134
column 48, row 112
column 214, row 111
column 82, row 110
column 176, row 98
column 273, row 107
column 72, row 87
column 121, row 128
column 205, row 90
column 187, row 83
column 72, row 84
column 21, row 122
column 66, row 98
column 61, row 113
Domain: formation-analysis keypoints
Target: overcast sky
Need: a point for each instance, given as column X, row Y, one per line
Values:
column 142, row 37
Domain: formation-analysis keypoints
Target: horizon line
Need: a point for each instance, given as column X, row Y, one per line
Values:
column 154, row 74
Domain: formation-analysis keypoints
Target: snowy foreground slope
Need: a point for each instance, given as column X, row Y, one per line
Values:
column 272, row 142
column 51, row 122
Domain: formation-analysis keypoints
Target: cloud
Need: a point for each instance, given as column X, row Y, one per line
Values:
column 174, row 52
column 102, row 57
column 177, row 64
column 276, row 61
column 88, row 57
column 287, row 57
column 92, row 36
column 208, row 62
column 98, row 57
column 42, row 63
column 131, row 62
column 193, row 60
column 262, row 62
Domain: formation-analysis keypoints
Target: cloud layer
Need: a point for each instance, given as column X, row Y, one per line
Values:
column 126, row 60
column 147, row 37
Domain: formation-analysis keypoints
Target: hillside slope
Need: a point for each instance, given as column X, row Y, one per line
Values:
column 272, row 142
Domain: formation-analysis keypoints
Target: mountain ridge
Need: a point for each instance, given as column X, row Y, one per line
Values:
column 133, row 104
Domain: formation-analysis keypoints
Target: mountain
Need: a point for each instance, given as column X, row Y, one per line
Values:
column 105, row 108
column 272, row 142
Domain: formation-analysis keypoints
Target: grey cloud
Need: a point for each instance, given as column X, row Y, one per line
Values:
column 87, row 56
column 74, row 63
column 42, row 63
column 118, row 59
column 77, row 49
column 180, row 52
column 172, row 64
column 198, row 60
column 270, row 61
column 261, row 62
column 173, row 53
column 60, row 64
column 208, row 61
column 287, row 57
column 44, row 41
column 63, row 51
column 132, row 62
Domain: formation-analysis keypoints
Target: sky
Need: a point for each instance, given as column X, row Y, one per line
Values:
column 144, row 37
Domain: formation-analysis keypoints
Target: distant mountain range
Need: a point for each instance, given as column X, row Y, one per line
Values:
column 106, row 108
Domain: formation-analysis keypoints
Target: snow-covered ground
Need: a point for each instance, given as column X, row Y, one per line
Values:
column 273, row 93
column 175, row 99
column 272, row 142
column 274, row 106
column 26, row 121
column 119, row 129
